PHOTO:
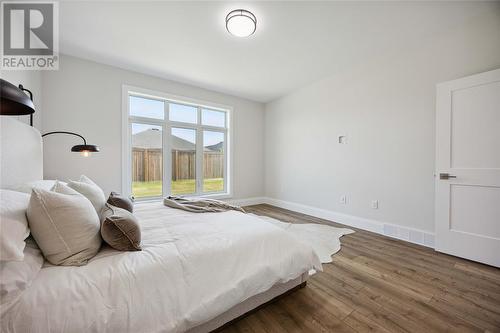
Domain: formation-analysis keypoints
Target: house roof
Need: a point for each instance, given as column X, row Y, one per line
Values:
column 151, row 139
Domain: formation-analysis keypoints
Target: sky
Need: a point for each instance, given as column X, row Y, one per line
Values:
column 151, row 108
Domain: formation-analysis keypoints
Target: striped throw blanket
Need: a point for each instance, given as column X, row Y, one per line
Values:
column 200, row 205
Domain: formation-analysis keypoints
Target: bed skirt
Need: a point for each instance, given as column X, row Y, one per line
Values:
column 250, row 304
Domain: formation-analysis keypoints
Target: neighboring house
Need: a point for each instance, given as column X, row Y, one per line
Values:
column 216, row 147
column 151, row 139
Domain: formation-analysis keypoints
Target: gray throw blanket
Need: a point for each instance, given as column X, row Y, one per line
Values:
column 200, row 205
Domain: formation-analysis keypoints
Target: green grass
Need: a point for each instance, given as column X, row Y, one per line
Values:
column 185, row 186
column 146, row 189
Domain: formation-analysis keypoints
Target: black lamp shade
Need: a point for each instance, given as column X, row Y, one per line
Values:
column 85, row 148
column 14, row 101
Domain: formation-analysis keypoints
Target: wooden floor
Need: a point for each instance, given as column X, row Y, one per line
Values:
column 376, row 283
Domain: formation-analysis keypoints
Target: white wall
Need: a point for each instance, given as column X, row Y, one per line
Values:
column 31, row 80
column 386, row 107
column 85, row 97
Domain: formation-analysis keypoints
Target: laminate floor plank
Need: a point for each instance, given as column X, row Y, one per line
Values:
column 380, row 284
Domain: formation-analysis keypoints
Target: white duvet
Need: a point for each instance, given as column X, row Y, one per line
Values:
column 192, row 268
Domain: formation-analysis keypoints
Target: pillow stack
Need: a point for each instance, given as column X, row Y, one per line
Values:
column 65, row 225
column 68, row 222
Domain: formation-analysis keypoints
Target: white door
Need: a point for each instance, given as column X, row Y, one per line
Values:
column 468, row 168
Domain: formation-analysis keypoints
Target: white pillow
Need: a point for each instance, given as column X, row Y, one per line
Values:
column 27, row 187
column 91, row 191
column 64, row 224
column 16, row 276
column 13, row 224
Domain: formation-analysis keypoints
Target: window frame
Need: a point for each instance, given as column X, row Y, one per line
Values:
column 167, row 124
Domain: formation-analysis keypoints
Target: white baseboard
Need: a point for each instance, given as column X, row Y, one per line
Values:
column 247, row 201
column 408, row 234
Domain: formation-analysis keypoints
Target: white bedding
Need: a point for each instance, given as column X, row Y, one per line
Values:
column 192, row 268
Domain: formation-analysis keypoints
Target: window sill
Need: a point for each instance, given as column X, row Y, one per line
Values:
column 218, row 196
column 212, row 196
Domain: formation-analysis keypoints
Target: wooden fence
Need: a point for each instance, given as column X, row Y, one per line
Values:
column 147, row 164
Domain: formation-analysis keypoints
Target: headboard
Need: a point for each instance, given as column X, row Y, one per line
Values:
column 21, row 153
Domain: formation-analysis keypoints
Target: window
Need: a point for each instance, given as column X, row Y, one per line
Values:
column 213, row 161
column 174, row 146
column 147, row 160
column 147, row 108
column 213, row 118
column 183, row 145
column 183, row 113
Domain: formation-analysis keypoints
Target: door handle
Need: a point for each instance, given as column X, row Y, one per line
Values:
column 446, row 176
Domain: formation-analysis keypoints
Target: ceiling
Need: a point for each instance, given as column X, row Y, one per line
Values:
column 295, row 43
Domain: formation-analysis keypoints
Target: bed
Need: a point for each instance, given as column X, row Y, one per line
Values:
column 195, row 273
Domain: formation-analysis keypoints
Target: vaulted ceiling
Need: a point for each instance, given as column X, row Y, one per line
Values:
column 295, row 43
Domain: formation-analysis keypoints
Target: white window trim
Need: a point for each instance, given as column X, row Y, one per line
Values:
column 167, row 124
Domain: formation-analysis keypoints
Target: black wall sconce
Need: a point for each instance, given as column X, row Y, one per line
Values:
column 14, row 102
column 84, row 149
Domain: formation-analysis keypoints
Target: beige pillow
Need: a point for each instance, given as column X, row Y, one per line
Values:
column 120, row 229
column 64, row 224
column 90, row 190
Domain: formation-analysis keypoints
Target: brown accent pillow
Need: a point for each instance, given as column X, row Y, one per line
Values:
column 120, row 229
column 120, row 201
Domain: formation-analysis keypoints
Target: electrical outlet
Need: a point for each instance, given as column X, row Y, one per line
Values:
column 343, row 199
column 374, row 204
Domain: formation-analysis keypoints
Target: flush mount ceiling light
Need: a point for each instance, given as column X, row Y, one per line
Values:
column 241, row 23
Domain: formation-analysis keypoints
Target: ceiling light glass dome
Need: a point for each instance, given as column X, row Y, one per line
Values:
column 241, row 23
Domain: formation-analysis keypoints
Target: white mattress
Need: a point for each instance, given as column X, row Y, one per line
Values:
column 193, row 267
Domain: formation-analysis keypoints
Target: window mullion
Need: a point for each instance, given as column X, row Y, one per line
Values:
column 167, row 154
column 143, row 120
column 129, row 191
column 225, row 171
column 199, row 155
